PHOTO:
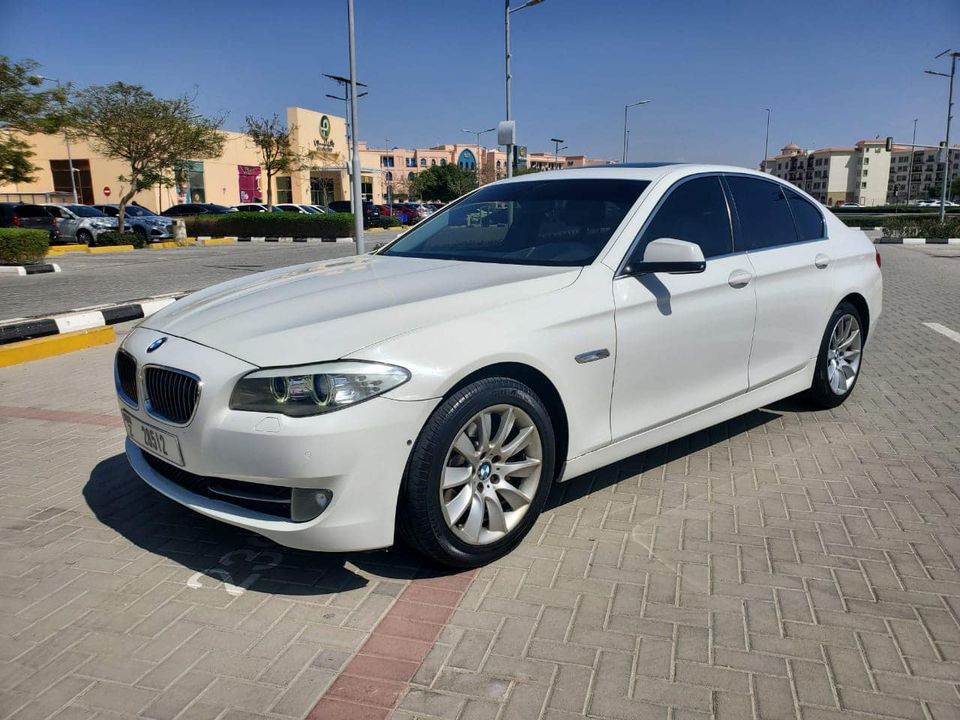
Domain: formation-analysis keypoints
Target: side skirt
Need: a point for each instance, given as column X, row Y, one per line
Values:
column 756, row 398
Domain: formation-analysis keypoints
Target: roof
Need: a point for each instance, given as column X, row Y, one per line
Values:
column 832, row 149
column 651, row 171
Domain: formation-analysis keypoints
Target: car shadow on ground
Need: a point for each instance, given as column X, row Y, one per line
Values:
column 223, row 553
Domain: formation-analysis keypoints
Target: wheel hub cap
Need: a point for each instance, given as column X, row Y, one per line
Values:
column 843, row 354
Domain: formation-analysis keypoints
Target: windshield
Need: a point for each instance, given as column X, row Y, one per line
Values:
column 137, row 211
column 84, row 211
column 536, row 222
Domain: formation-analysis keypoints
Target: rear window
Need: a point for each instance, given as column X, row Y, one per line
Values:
column 84, row 211
column 31, row 211
column 765, row 217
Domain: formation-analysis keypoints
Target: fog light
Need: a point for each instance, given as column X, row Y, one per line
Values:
column 306, row 504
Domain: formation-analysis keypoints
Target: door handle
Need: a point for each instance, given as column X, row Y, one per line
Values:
column 821, row 260
column 739, row 279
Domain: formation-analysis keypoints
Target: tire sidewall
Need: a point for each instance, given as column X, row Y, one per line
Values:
column 430, row 454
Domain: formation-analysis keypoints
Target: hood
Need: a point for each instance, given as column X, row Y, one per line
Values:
column 327, row 310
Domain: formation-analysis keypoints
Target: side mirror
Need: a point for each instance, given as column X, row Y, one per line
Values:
column 670, row 256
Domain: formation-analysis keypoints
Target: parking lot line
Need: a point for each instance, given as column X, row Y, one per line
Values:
column 944, row 330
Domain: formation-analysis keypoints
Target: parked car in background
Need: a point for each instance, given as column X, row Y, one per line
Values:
column 618, row 309
column 146, row 223
column 81, row 223
column 297, row 208
column 253, row 207
column 29, row 215
column 844, row 206
column 371, row 215
column 320, row 209
column 188, row 209
column 398, row 211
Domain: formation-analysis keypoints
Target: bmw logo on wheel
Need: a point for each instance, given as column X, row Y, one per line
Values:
column 156, row 344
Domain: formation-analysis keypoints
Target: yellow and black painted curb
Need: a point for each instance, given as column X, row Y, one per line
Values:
column 43, row 347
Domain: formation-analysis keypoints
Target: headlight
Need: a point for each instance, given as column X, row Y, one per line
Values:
column 315, row 389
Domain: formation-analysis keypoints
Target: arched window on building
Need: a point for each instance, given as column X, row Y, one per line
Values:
column 443, row 161
column 388, row 176
column 433, row 162
column 467, row 160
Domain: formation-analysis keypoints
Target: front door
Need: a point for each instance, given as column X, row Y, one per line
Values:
column 683, row 341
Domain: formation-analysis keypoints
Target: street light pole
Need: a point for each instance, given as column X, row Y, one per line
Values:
column 478, row 133
column 946, row 143
column 913, row 146
column 556, row 150
column 625, row 108
column 356, row 190
column 506, row 42
column 766, row 143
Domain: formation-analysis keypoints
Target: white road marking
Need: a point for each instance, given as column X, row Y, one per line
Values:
column 944, row 330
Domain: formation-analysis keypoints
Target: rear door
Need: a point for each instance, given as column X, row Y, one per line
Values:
column 33, row 216
column 783, row 234
column 683, row 341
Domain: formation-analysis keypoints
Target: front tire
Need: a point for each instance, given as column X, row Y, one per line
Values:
column 839, row 358
column 479, row 474
column 85, row 237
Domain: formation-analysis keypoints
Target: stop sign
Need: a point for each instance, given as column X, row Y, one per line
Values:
column 106, row 191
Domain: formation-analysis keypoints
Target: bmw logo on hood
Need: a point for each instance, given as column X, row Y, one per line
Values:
column 156, row 344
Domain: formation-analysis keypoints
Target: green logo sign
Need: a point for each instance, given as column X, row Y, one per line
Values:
column 325, row 127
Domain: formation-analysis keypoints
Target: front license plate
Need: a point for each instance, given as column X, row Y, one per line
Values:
column 153, row 440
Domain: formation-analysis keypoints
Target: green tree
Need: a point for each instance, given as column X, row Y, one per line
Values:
column 151, row 135
column 273, row 139
column 954, row 189
column 24, row 108
column 442, row 182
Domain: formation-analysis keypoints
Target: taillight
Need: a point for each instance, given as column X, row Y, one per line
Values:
column 16, row 221
column 878, row 257
column 53, row 222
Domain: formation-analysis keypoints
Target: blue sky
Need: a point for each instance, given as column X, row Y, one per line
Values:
column 833, row 72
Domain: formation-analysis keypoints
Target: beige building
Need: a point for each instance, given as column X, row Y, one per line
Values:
column 866, row 173
column 236, row 176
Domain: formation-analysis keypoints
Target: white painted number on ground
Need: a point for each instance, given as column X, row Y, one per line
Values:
column 944, row 330
column 266, row 560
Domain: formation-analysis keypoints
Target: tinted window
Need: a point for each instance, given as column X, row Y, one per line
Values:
column 536, row 222
column 85, row 211
column 31, row 211
column 695, row 211
column 808, row 218
column 765, row 218
column 57, row 212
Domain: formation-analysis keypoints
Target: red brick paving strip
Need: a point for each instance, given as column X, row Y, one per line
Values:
column 371, row 684
column 65, row 416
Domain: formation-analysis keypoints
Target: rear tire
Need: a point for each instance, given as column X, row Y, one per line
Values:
column 479, row 474
column 839, row 358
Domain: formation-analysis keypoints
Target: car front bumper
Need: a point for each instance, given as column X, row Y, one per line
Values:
column 358, row 453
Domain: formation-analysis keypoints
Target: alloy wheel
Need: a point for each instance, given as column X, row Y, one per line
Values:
column 491, row 474
column 843, row 354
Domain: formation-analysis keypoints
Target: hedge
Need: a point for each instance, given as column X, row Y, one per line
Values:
column 126, row 238
column 928, row 227
column 20, row 246
column 261, row 224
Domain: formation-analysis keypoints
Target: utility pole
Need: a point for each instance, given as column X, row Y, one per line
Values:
column 946, row 144
column 766, row 144
column 356, row 192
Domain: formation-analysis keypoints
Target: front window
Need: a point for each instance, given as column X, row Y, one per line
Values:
column 555, row 222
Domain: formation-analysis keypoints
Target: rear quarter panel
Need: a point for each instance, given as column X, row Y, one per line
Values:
column 855, row 268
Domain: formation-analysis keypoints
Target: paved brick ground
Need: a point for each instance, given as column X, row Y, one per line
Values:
column 788, row 564
column 94, row 279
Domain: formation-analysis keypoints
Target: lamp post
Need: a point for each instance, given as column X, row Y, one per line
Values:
column 355, row 192
column 557, row 142
column 506, row 41
column 913, row 145
column 625, row 108
column 946, row 144
column 66, row 140
column 478, row 133
column 766, row 144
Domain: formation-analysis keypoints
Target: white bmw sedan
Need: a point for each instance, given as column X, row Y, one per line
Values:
column 535, row 330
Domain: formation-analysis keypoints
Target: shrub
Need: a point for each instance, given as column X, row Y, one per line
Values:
column 328, row 226
column 19, row 246
column 921, row 227
column 388, row 222
column 125, row 238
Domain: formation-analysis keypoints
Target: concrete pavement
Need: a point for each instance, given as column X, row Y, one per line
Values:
column 786, row 564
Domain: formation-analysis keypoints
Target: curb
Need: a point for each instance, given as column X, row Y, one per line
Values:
column 38, row 348
column 36, row 269
column 205, row 241
column 100, row 249
column 311, row 240
column 57, row 250
column 19, row 329
column 917, row 241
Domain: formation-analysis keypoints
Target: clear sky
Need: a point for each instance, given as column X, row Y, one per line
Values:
column 833, row 71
